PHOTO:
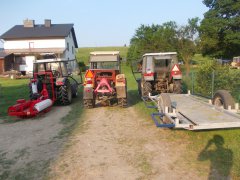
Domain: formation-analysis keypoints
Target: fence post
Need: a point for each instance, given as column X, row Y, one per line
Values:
column 192, row 77
column 213, row 81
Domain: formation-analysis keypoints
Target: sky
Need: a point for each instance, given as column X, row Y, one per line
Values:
column 100, row 22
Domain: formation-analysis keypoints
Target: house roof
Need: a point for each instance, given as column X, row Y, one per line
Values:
column 39, row 32
column 34, row 50
column 3, row 54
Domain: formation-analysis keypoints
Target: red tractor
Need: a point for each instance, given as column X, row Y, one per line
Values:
column 52, row 82
column 103, row 81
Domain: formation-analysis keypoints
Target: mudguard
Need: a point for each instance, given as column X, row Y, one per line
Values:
column 88, row 93
column 121, row 86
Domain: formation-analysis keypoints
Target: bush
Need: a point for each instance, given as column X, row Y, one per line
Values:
column 82, row 66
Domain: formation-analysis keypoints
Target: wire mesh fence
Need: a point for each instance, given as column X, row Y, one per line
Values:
column 207, row 83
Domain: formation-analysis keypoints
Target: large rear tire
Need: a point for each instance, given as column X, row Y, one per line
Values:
column 177, row 86
column 223, row 98
column 65, row 94
column 146, row 89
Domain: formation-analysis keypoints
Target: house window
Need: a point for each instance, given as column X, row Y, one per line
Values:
column 68, row 46
column 31, row 45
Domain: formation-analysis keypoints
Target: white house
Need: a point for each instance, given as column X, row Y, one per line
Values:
column 29, row 40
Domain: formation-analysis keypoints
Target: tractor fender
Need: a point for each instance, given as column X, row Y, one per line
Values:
column 121, row 86
column 88, row 93
column 60, row 81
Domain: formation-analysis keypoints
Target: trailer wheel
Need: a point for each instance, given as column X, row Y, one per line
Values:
column 165, row 101
column 89, row 103
column 146, row 89
column 65, row 94
column 223, row 98
column 177, row 87
column 122, row 102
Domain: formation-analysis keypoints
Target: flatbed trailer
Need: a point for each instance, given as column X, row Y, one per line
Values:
column 191, row 112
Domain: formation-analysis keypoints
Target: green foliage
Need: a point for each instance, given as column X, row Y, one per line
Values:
column 154, row 38
column 164, row 38
column 82, row 66
column 224, row 78
column 220, row 29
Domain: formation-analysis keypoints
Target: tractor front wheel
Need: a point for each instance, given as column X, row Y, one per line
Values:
column 122, row 102
column 65, row 94
column 89, row 103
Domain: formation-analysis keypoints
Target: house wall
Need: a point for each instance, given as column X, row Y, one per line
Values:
column 70, row 47
column 26, row 44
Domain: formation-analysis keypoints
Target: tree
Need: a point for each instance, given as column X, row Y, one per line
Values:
column 165, row 38
column 186, row 43
column 220, row 29
column 154, row 38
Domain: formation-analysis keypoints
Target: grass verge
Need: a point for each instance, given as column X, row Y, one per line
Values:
column 223, row 150
column 10, row 91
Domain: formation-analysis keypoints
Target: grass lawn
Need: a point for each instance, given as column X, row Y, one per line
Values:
column 10, row 91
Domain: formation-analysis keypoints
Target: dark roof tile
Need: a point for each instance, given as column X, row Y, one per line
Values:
column 39, row 31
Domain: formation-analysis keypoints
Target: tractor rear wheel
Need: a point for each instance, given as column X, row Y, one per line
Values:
column 146, row 89
column 89, row 103
column 65, row 94
column 223, row 98
column 177, row 87
column 74, row 90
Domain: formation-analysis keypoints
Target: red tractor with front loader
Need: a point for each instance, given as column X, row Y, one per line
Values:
column 53, row 82
column 104, row 82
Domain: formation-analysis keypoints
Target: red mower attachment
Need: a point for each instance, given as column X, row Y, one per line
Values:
column 42, row 103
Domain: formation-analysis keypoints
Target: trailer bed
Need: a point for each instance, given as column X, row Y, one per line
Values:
column 196, row 113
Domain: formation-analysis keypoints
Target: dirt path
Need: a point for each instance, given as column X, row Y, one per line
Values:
column 28, row 146
column 115, row 143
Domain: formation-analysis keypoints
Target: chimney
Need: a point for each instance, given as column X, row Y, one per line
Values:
column 28, row 23
column 47, row 22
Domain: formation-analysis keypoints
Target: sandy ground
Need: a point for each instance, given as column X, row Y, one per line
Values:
column 115, row 143
column 28, row 146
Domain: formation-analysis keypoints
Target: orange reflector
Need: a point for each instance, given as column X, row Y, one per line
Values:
column 89, row 74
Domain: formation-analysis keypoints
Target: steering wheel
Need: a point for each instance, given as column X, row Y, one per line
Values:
column 56, row 73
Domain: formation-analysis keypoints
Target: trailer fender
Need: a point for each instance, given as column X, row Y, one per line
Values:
column 88, row 93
